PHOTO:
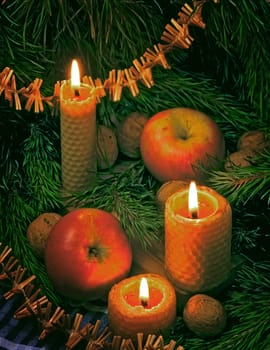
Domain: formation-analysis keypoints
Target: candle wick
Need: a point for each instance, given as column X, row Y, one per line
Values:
column 194, row 215
column 144, row 303
column 76, row 92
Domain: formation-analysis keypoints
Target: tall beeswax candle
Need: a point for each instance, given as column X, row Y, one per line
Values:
column 78, row 135
column 197, row 243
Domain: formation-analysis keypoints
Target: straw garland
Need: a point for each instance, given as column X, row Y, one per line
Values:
column 175, row 35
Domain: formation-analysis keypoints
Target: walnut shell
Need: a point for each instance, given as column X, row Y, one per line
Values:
column 204, row 315
column 167, row 189
column 38, row 231
column 129, row 134
column 255, row 140
column 107, row 148
column 239, row 158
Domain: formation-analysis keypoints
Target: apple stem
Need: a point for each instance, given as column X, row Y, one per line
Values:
column 93, row 252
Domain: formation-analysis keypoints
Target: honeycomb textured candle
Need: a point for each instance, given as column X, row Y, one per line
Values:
column 78, row 137
column 198, row 251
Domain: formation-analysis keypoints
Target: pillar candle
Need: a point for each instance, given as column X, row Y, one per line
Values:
column 198, row 250
column 78, row 136
column 129, row 315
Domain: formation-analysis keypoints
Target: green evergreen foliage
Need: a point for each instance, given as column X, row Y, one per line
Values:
column 245, row 184
column 41, row 165
column 17, row 216
column 235, row 50
column 125, row 193
column 225, row 74
column 40, row 38
column 247, row 307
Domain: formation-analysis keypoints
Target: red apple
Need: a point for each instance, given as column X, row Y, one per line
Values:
column 86, row 253
column 175, row 141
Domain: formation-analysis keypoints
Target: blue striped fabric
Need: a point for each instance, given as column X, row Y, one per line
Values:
column 23, row 334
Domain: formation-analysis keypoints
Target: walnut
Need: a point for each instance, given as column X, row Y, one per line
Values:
column 107, row 148
column 241, row 158
column 255, row 140
column 129, row 134
column 204, row 315
column 38, row 231
column 167, row 189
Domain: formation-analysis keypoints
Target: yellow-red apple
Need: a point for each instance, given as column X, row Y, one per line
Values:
column 86, row 253
column 177, row 143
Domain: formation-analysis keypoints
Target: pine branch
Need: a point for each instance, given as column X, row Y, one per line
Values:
column 17, row 215
column 250, row 309
column 244, row 184
column 245, row 238
column 175, row 35
column 13, row 126
column 109, row 30
column 233, row 54
column 42, row 171
column 247, row 306
column 30, row 157
column 28, row 58
column 31, row 164
column 125, row 195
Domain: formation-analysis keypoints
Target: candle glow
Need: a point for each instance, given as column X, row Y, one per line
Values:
column 193, row 204
column 144, row 292
column 75, row 75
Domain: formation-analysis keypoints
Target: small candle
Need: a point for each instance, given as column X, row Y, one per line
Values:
column 197, row 239
column 78, row 133
column 131, row 312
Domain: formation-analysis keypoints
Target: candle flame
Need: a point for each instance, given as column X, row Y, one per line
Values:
column 144, row 291
column 193, row 205
column 75, row 75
